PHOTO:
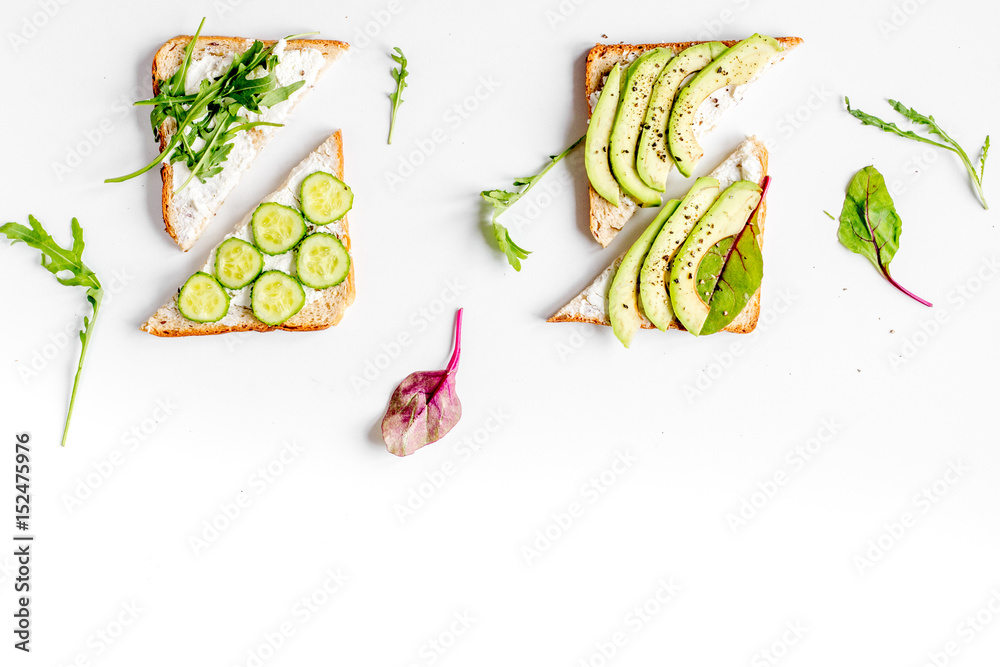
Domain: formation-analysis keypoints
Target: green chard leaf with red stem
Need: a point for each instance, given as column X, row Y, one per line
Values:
column 66, row 264
column 870, row 225
column 424, row 407
column 732, row 271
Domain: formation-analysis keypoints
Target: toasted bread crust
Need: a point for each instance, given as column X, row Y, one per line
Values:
column 326, row 311
column 745, row 322
column 168, row 60
column 606, row 220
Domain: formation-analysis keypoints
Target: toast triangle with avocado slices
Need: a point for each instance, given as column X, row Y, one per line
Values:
column 323, row 308
column 748, row 161
column 606, row 219
column 187, row 213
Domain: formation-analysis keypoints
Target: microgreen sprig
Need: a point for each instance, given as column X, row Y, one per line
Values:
column 399, row 75
column 501, row 200
column 949, row 144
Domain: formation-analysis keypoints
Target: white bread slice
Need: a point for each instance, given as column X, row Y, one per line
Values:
column 606, row 220
column 323, row 309
column 186, row 214
column 749, row 162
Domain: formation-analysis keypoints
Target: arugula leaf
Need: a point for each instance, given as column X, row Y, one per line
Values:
column 399, row 75
column 58, row 260
column 933, row 128
column 870, row 225
column 731, row 272
column 501, row 200
column 204, row 124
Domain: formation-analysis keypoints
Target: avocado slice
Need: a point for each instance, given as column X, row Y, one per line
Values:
column 737, row 65
column 653, row 276
column 639, row 80
column 623, row 297
column 653, row 161
column 728, row 215
column 599, row 137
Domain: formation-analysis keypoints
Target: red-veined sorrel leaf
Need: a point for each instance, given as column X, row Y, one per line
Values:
column 870, row 225
column 424, row 406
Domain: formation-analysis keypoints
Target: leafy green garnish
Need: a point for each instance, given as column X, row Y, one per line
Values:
column 869, row 224
column 57, row 260
column 204, row 124
column 399, row 75
column 950, row 144
column 501, row 200
column 731, row 272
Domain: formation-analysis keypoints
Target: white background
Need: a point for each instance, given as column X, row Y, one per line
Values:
column 837, row 343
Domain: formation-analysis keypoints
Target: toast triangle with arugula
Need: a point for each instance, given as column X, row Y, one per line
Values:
column 748, row 161
column 187, row 213
column 324, row 308
column 606, row 219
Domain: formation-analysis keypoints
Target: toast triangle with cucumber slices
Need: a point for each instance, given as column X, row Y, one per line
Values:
column 606, row 218
column 748, row 161
column 323, row 307
column 188, row 212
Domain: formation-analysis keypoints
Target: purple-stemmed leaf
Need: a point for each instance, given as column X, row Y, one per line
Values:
column 424, row 406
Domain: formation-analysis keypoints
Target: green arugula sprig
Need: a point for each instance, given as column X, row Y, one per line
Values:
column 399, row 75
column 501, row 200
column 56, row 260
column 933, row 127
column 204, row 124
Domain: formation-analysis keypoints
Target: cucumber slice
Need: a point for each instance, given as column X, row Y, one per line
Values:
column 202, row 299
column 275, row 297
column 237, row 263
column 325, row 198
column 276, row 228
column 322, row 261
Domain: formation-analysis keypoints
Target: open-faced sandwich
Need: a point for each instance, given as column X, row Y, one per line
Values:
column 650, row 104
column 287, row 265
column 698, row 266
column 217, row 102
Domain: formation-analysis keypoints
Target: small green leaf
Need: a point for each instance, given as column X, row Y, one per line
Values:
column 731, row 273
column 870, row 225
column 399, row 76
column 514, row 252
column 982, row 158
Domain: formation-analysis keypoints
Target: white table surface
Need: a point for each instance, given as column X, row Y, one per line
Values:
column 645, row 564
